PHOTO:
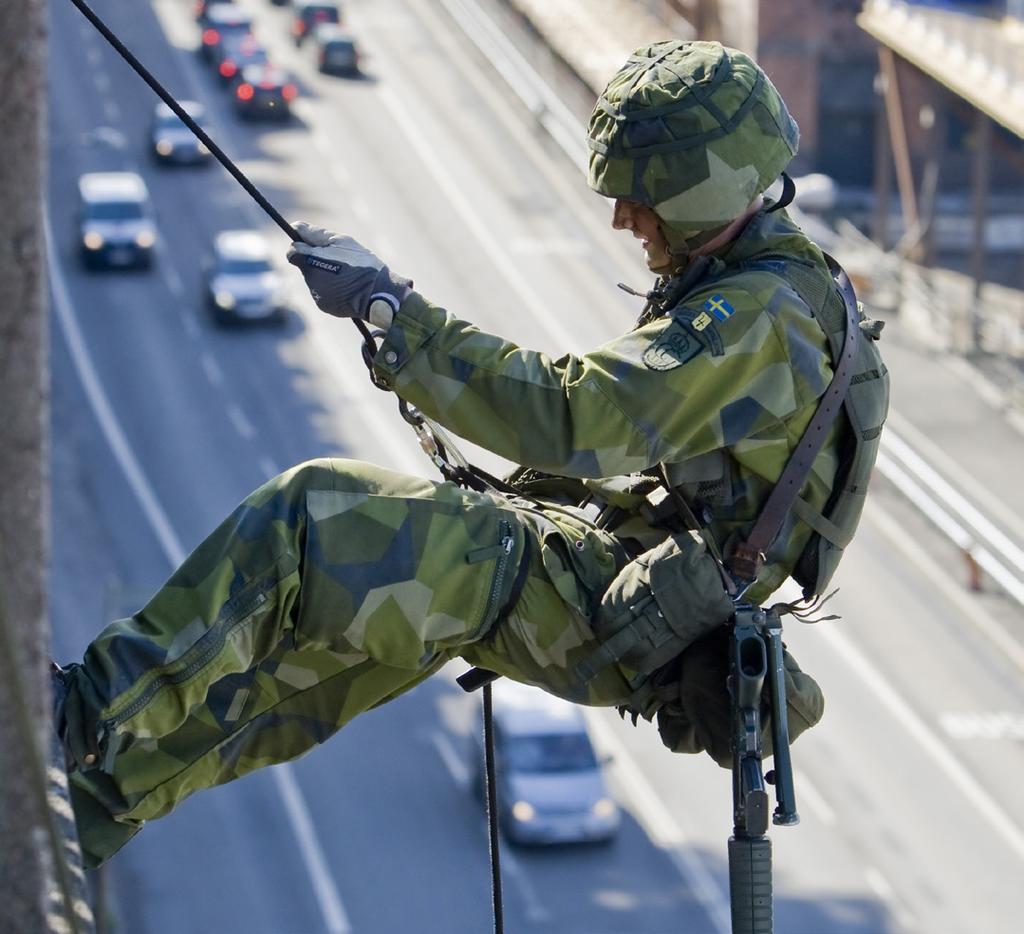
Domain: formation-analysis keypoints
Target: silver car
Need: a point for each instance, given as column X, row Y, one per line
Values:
column 174, row 143
column 550, row 782
column 115, row 220
column 241, row 283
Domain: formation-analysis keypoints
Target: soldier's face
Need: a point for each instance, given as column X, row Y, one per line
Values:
column 646, row 227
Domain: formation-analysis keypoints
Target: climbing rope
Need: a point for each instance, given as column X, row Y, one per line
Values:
column 438, row 446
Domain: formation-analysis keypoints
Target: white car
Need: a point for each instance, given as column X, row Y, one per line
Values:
column 115, row 220
column 242, row 285
column 550, row 782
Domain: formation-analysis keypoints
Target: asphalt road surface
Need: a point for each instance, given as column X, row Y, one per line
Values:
column 163, row 421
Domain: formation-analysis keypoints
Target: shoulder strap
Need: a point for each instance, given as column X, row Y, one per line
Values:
column 746, row 561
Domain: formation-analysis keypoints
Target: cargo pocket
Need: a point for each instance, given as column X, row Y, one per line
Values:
column 579, row 558
column 657, row 606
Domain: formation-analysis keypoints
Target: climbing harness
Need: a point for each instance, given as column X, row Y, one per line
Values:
column 435, row 442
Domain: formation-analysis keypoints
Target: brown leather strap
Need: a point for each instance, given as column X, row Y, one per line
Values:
column 746, row 561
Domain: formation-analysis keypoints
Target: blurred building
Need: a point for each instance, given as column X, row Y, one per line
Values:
column 825, row 67
column 916, row 109
column 951, row 85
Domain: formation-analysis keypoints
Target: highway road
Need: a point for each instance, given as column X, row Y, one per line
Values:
column 162, row 422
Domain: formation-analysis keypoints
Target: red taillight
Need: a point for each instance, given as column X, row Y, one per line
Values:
column 228, row 68
column 298, row 27
column 245, row 92
column 211, row 37
column 289, row 92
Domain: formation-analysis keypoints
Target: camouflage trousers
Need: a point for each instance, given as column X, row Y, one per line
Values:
column 331, row 589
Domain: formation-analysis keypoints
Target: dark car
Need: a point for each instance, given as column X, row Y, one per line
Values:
column 236, row 53
column 222, row 20
column 241, row 284
column 336, row 50
column 115, row 220
column 309, row 15
column 264, row 92
column 551, row 787
column 174, row 143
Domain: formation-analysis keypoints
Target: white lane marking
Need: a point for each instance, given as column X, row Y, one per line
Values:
column 171, row 275
column 360, row 209
column 320, row 875
column 999, row 725
column 456, row 767
column 540, row 310
column 110, row 110
column 998, row 819
column 191, row 323
column 661, row 826
column 108, row 423
column 548, row 246
column 212, row 369
column 384, row 244
column 535, row 910
column 340, row 175
column 93, row 56
column 880, row 886
column 939, row 578
column 242, row 425
column 326, row 892
column 102, row 82
column 267, row 467
column 815, row 800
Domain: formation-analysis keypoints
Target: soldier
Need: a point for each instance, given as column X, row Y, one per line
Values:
column 339, row 585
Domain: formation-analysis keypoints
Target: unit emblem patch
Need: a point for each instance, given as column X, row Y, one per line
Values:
column 672, row 349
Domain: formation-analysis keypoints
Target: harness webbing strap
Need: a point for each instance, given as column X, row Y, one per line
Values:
column 746, row 562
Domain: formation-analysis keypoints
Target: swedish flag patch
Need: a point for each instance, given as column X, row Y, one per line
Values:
column 719, row 307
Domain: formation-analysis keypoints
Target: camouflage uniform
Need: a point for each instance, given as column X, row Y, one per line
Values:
column 340, row 585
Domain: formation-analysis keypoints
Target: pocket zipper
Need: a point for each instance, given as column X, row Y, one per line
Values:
column 502, row 551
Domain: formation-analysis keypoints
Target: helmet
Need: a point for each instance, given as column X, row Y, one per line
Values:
column 695, row 130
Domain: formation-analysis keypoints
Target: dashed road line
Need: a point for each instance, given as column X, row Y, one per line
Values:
column 311, row 852
column 815, row 800
column 212, row 369
column 191, row 324
column 360, row 208
column 101, row 81
column 456, row 767
column 267, row 467
column 242, row 424
column 880, row 886
column 535, row 910
column 998, row 819
column 110, row 110
column 661, row 827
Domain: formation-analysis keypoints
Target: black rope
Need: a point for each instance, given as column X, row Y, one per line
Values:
column 182, row 114
column 473, row 478
column 492, row 812
column 204, row 137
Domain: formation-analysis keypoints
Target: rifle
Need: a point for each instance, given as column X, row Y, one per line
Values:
column 756, row 661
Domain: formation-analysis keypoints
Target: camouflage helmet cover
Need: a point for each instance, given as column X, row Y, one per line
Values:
column 693, row 129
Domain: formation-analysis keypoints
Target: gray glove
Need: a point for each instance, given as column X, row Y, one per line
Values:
column 345, row 278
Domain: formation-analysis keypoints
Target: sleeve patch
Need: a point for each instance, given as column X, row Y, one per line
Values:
column 672, row 349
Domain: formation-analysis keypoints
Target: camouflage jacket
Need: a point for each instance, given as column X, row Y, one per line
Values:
column 719, row 388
